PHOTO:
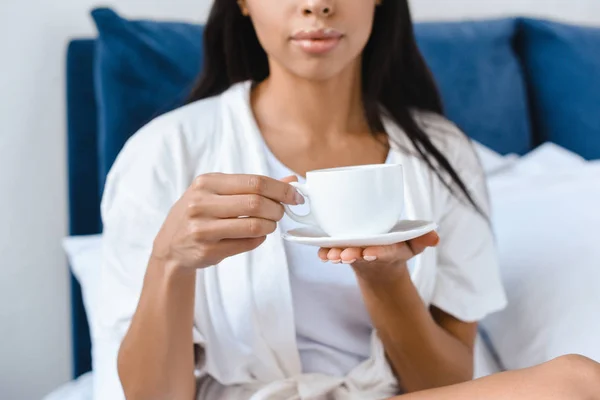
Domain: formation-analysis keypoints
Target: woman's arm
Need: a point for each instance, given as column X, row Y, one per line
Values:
column 156, row 358
column 423, row 352
column 426, row 349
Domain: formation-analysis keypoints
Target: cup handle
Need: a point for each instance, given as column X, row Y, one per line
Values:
column 307, row 219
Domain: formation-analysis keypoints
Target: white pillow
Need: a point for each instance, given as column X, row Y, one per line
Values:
column 545, row 158
column 85, row 258
column 491, row 161
column 546, row 226
column 78, row 389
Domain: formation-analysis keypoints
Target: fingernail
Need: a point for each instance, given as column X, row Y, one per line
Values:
column 349, row 262
column 336, row 261
column 324, row 261
column 299, row 198
column 370, row 258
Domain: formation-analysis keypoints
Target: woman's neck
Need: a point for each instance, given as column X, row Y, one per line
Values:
column 313, row 110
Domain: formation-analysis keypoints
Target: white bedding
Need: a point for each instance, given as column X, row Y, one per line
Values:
column 546, row 224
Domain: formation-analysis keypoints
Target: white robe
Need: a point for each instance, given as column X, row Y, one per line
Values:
column 243, row 312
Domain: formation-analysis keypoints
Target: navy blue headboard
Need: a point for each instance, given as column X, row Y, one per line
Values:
column 84, row 190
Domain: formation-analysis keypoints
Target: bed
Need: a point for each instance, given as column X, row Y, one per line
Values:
column 95, row 66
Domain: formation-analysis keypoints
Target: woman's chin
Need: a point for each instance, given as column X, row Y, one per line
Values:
column 322, row 70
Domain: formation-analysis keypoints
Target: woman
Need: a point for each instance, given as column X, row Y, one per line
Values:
column 226, row 309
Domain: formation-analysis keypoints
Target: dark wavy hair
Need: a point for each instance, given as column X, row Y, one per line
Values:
column 395, row 77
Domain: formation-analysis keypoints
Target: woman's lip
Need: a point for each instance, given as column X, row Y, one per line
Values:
column 317, row 46
column 316, row 34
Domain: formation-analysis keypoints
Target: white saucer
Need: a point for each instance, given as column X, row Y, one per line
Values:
column 403, row 231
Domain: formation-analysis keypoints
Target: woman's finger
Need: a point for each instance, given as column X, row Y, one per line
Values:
column 351, row 255
column 247, row 205
column 289, row 179
column 401, row 251
column 232, row 184
column 391, row 253
column 231, row 228
column 418, row 245
column 335, row 255
column 323, row 251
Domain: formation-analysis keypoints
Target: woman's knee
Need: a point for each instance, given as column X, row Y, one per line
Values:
column 578, row 365
column 580, row 375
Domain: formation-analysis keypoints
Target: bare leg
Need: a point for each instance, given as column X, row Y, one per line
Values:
column 566, row 378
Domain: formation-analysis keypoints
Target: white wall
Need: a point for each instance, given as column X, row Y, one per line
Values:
column 35, row 350
column 577, row 11
column 34, row 319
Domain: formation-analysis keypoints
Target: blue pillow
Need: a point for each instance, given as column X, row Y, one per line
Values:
column 142, row 69
column 563, row 68
column 481, row 80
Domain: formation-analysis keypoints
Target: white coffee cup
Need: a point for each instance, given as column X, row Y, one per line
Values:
column 353, row 201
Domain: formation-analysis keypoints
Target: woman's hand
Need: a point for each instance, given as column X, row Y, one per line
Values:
column 221, row 215
column 380, row 259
